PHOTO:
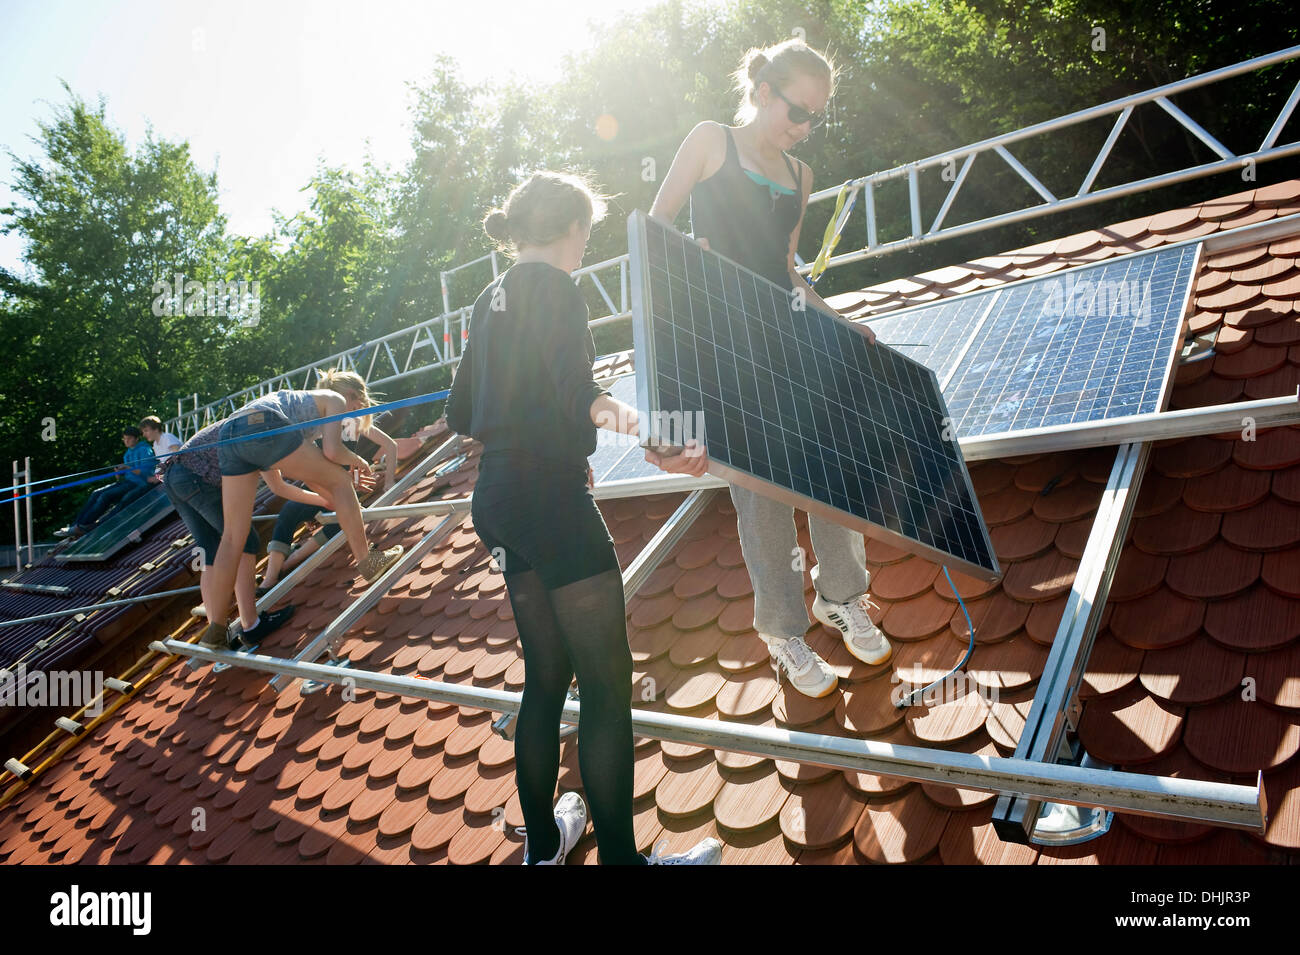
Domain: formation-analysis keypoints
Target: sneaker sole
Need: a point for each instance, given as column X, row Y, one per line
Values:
column 835, row 685
column 889, row 651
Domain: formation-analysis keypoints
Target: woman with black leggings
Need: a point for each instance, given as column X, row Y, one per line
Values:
column 524, row 389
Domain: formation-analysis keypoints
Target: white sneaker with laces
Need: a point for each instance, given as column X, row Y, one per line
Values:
column 571, row 818
column 706, row 852
column 862, row 637
column 808, row 673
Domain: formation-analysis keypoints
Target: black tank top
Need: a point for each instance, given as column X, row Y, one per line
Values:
column 744, row 221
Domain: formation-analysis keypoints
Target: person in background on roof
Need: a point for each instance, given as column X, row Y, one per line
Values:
column 280, row 553
column 192, row 482
column 248, row 449
column 747, row 200
column 524, row 389
column 163, row 442
column 137, row 467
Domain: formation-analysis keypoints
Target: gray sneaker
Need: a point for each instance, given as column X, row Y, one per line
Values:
column 807, row 672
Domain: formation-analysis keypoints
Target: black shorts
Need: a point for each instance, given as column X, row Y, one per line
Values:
column 535, row 514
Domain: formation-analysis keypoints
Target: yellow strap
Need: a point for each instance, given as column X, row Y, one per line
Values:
column 831, row 238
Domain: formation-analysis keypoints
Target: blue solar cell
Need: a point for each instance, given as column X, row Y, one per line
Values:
column 1082, row 345
column 795, row 402
column 612, row 447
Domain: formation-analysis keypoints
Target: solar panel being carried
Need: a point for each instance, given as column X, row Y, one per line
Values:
column 795, row 404
column 1087, row 344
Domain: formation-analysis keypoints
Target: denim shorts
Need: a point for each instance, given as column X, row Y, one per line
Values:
column 199, row 506
column 254, row 453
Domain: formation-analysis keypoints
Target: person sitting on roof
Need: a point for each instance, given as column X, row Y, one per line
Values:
column 136, row 469
column 268, row 434
column 192, row 482
column 164, row 443
column 524, row 388
column 747, row 202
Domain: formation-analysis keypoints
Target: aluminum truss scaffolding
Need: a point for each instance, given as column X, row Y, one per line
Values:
column 437, row 343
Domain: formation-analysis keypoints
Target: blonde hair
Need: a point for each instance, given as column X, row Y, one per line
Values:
column 349, row 383
column 542, row 209
column 777, row 66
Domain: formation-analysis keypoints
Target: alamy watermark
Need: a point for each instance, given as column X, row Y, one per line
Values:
column 671, row 428
column 60, row 688
column 955, row 687
column 1084, row 297
column 215, row 298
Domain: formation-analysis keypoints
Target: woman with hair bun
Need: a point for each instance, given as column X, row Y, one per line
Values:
column 524, row 389
column 747, row 199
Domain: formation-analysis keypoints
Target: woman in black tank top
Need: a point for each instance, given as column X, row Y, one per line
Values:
column 747, row 200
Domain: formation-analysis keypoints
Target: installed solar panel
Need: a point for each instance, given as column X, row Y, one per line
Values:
column 612, row 448
column 1088, row 344
column 121, row 526
column 795, row 403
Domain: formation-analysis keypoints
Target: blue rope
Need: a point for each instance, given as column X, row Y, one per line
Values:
column 97, row 473
column 970, row 648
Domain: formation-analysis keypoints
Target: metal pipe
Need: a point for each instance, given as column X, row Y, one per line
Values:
column 31, row 535
column 1153, row 426
column 1080, row 116
column 18, row 544
column 1055, row 701
column 123, row 602
column 1114, row 192
column 1221, row 804
column 664, row 540
column 337, row 628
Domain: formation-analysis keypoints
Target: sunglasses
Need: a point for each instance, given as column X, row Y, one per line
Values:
column 798, row 115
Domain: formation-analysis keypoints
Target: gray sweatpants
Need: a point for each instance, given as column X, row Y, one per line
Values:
column 770, row 547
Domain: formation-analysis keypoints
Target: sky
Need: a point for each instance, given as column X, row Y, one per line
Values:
column 263, row 88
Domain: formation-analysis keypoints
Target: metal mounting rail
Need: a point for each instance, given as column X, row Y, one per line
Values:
column 1218, row 804
column 1055, row 705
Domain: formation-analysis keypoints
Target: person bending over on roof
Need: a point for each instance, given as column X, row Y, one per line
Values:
column 281, row 556
column 136, row 469
column 747, row 200
column 192, row 481
column 248, row 448
column 164, row 443
column 524, row 389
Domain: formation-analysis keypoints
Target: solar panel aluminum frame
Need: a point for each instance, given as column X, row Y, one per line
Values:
column 650, row 436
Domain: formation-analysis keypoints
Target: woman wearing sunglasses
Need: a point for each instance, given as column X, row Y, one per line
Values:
column 747, row 199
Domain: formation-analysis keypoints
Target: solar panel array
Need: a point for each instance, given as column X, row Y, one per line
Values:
column 119, row 527
column 620, row 457
column 1088, row 344
column 796, row 404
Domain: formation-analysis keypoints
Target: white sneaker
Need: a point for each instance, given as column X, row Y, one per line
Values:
column 862, row 637
column 571, row 817
column 706, row 852
column 808, row 673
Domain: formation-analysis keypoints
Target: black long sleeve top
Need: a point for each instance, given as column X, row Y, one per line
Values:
column 524, row 381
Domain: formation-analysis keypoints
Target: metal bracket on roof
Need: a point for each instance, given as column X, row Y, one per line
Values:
column 408, row 480
column 331, row 637
column 1055, row 703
